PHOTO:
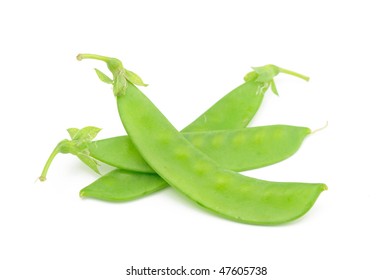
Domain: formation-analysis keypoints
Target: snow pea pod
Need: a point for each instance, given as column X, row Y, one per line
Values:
column 234, row 149
column 187, row 169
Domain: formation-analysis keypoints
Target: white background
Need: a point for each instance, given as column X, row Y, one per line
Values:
column 192, row 53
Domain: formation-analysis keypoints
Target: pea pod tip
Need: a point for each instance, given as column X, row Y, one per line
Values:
column 82, row 194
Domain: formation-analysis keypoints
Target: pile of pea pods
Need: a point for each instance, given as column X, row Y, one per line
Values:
column 203, row 160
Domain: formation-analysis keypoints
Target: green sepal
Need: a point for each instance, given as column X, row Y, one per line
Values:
column 273, row 87
column 85, row 134
column 72, row 132
column 121, row 76
column 134, row 78
column 119, row 85
column 89, row 161
column 103, row 77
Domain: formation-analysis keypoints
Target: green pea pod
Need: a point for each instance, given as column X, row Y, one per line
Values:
column 234, row 149
column 190, row 171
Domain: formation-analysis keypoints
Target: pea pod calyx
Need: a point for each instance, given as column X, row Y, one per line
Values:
column 121, row 76
column 78, row 146
column 265, row 75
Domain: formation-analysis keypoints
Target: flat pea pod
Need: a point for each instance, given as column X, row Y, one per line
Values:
column 187, row 169
column 235, row 149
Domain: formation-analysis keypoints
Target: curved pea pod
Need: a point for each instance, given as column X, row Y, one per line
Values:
column 190, row 171
column 234, row 149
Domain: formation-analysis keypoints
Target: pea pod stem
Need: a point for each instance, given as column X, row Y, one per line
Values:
column 92, row 56
column 295, row 74
column 55, row 151
column 320, row 128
